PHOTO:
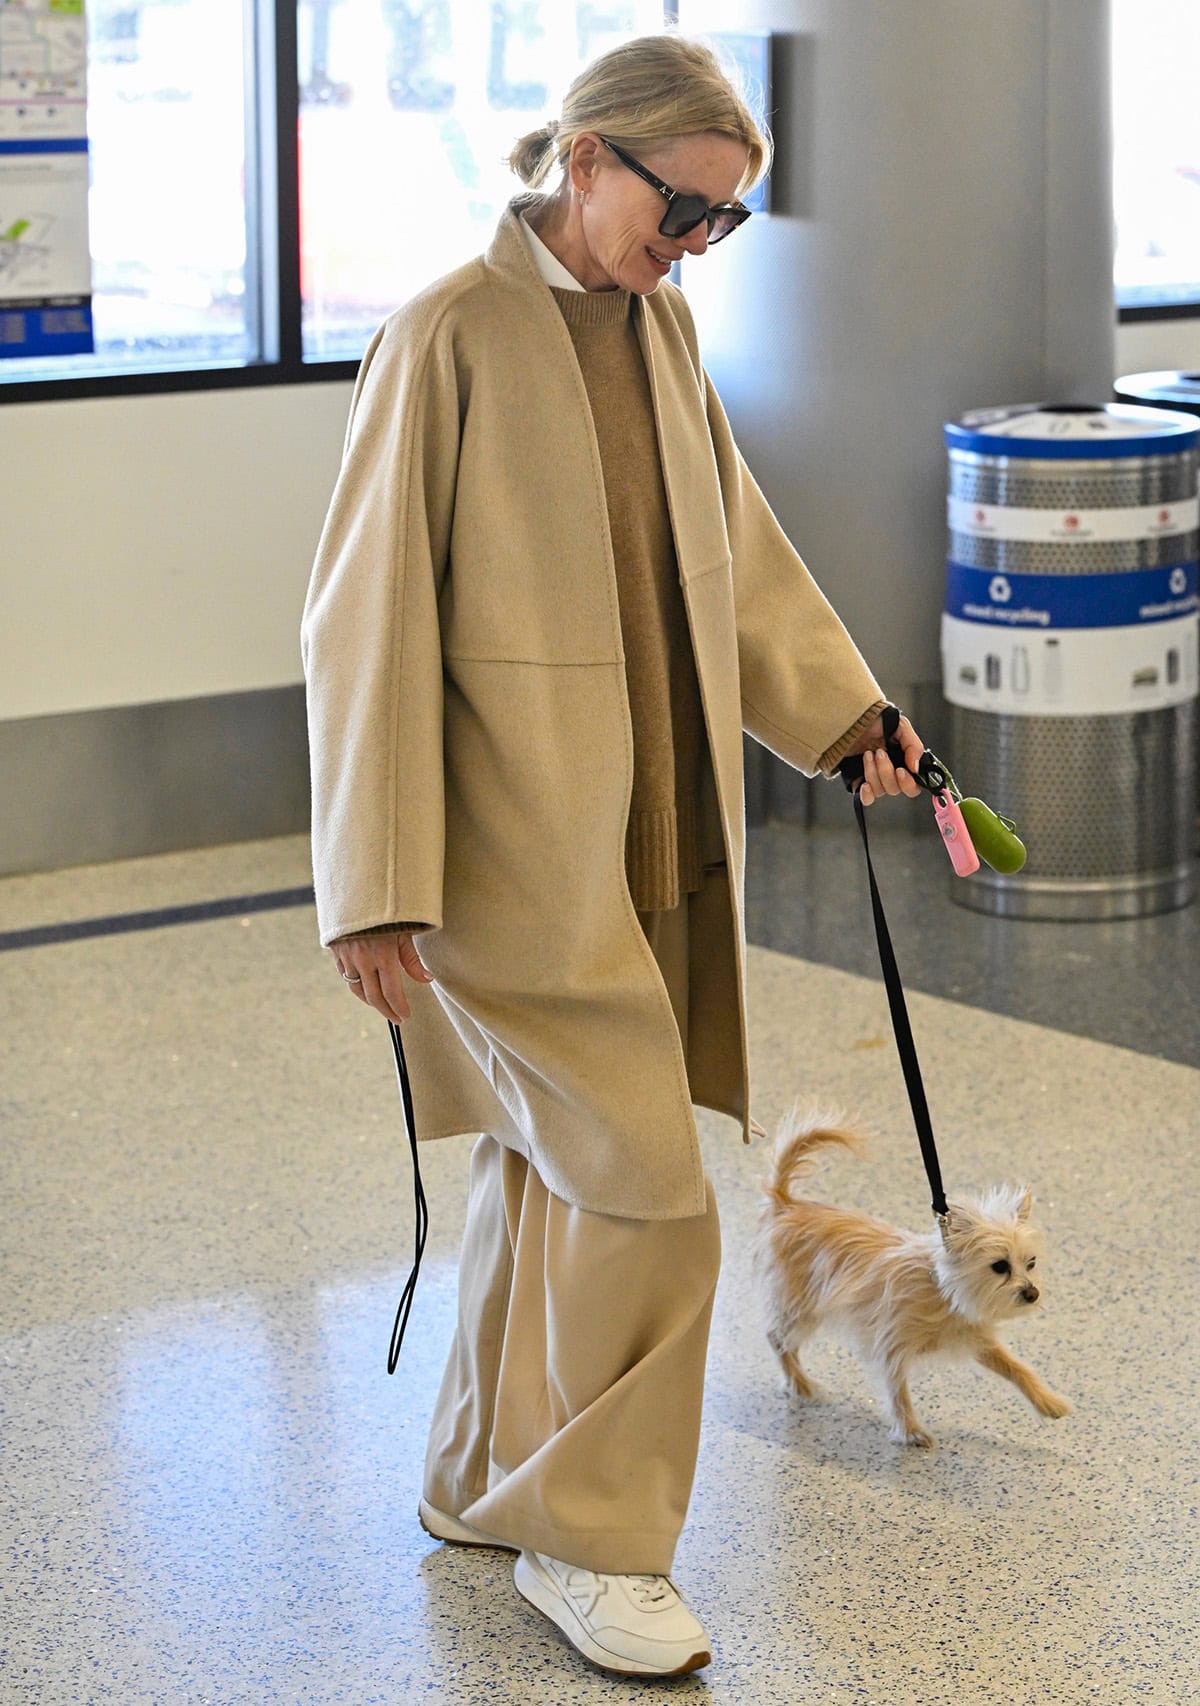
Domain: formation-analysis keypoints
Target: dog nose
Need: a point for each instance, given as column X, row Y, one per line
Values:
column 1030, row 1293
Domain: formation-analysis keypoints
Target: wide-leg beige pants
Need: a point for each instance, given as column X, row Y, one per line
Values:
column 568, row 1419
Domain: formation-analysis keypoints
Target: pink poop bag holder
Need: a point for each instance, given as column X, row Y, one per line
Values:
column 955, row 835
column 970, row 830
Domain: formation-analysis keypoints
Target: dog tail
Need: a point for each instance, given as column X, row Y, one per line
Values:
column 796, row 1147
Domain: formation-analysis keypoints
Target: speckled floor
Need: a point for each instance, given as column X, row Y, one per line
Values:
column 209, row 1480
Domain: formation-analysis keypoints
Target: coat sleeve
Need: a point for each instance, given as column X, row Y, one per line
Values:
column 806, row 691
column 371, row 642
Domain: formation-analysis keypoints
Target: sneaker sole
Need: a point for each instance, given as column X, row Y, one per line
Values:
column 533, row 1588
column 441, row 1526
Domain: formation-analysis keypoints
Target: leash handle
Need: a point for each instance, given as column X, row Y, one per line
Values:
column 422, row 1207
column 930, row 774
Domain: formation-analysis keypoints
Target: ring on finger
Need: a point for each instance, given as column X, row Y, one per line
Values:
column 350, row 979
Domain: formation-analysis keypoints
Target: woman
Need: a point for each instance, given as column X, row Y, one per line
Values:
column 548, row 598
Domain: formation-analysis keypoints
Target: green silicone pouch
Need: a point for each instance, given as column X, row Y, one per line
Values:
column 994, row 836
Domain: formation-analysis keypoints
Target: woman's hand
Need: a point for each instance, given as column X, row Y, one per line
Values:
column 374, row 968
column 880, row 775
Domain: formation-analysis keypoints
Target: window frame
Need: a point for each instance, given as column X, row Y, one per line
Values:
column 1159, row 311
column 1132, row 313
column 272, row 82
column 272, row 248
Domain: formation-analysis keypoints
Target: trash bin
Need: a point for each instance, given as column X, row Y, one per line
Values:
column 1160, row 390
column 1163, row 390
column 1069, row 651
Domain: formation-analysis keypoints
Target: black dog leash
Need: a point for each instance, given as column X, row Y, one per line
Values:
column 422, row 1221
column 933, row 777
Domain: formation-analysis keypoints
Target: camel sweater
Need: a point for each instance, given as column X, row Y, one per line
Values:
column 662, row 853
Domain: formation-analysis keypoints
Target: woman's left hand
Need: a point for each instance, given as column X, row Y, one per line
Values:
column 880, row 775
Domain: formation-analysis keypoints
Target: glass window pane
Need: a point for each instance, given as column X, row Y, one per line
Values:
column 408, row 109
column 166, row 206
column 1156, row 157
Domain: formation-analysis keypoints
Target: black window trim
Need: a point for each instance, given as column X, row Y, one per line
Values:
column 1160, row 311
column 273, row 212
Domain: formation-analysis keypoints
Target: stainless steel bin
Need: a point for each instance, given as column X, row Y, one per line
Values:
column 1162, row 390
column 1069, row 651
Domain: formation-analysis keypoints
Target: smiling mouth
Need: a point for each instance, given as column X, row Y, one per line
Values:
column 663, row 260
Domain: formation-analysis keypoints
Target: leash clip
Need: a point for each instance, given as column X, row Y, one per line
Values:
column 935, row 776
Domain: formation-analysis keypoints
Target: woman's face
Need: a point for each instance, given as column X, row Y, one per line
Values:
column 620, row 218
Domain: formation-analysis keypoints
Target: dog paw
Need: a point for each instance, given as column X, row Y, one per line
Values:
column 911, row 1436
column 806, row 1389
column 1050, row 1404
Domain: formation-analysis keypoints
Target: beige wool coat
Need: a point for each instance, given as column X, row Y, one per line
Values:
column 470, row 736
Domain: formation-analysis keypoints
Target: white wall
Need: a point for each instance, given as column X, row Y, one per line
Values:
column 158, row 547
column 1153, row 346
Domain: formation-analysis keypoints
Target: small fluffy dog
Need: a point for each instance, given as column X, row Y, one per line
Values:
column 895, row 1295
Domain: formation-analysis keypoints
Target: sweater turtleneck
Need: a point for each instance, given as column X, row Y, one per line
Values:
column 663, row 856
column 594, row 307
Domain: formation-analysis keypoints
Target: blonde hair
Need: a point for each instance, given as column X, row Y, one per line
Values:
column 640, row 93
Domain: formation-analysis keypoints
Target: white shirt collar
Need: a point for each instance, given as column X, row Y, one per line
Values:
column 548, row 264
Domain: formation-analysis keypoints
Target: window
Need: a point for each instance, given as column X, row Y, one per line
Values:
column 166, row 197
column 408, row 109
column 1156, row 156
column 270, row 178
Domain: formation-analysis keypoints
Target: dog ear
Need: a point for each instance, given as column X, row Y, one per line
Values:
column 1025, row 1206
column 958, row 1220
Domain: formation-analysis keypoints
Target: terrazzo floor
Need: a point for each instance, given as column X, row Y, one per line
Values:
column 209, row 1481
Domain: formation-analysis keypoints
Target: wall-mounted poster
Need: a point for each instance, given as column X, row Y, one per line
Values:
column 45, row 262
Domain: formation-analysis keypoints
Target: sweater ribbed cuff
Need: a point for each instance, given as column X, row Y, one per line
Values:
column 384, row 930
column 832, row 757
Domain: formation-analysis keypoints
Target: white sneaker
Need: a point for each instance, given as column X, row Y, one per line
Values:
column 442, row 1526
column 635, row 1625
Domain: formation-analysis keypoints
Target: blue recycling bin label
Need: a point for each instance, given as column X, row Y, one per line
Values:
column 1118, row 600
column 1070, row 645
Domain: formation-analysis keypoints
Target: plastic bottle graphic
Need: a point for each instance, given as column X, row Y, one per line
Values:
column 1020, row 670
column 1052, row 669
column 992, row 668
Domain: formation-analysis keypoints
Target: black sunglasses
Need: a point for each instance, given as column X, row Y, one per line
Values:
column 684, row 212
